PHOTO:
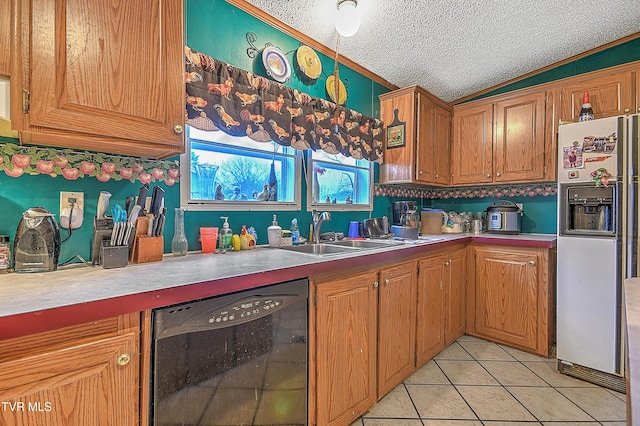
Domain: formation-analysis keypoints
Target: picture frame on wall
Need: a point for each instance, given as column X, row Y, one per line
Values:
column 396, row 132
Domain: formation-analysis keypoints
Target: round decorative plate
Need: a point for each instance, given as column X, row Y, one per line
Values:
column 342, row 91
column 308, row 62
column 276, row 64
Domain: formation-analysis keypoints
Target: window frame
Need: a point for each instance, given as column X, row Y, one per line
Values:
column 339, row 207
column 237, row 205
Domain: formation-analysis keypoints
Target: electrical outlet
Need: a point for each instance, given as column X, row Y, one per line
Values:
column 519, row 205
column 66, row 198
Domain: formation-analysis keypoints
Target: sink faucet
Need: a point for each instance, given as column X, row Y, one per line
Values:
column 316, row 223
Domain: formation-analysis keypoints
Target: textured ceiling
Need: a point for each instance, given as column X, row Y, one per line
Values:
column 454, row 48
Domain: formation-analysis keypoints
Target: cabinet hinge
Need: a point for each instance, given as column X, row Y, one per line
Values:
column 544, row 171
column 26, row 101
column 315, row 298
column 546, row 99
column 560, row 95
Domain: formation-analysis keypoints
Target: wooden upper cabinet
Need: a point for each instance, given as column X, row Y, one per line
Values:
column 101, row 75
column 424, row 158
column 425, row 152
column 5, row 37
column 442, row 147
column 519, row 147
column 609, row 94
column 472, row 146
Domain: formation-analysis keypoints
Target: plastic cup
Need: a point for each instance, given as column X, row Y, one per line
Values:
column 354, row 229
column 208, row 239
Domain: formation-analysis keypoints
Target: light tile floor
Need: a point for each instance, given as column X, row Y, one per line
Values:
column 475, row 382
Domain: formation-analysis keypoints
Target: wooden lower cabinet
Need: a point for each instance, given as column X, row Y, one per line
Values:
column 441, row 308
column 345, row 350
column 511, row 297
column 90, row 382
column 396, row 326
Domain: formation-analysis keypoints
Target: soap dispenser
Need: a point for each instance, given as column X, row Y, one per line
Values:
column 274, row 232
column 226, row 235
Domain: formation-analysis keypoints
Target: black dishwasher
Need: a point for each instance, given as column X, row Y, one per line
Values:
column 237, row 359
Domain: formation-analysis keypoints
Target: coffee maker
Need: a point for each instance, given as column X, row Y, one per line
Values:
column 405, row 220
column 36, row 246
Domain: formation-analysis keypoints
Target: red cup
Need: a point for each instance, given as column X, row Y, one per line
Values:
column 208, row 239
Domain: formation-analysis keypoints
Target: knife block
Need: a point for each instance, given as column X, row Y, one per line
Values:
column 145, row 248
column 102, row 229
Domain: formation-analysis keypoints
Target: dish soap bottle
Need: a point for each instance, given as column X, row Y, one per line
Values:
column 295, row 232
column 226, row 235
column 274, row 232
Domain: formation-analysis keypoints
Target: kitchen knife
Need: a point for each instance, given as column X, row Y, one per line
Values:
column 156, row 200
column 131, row 221
column 142, row 197
column 103, row 203
column 159, row 223
column 128, row 205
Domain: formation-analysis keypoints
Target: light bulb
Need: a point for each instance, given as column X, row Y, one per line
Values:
column 347, row 18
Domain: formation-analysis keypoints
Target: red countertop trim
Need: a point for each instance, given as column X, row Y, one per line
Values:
column 51, row 319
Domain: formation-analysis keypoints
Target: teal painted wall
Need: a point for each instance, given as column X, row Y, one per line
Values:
column 539, row 212
column 616, row 55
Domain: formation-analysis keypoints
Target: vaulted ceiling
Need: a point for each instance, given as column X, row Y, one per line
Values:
column 454, row 48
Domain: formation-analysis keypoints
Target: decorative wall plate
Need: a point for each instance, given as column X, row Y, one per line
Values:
column 276, row 64
column 308, row 62
column 342, row 91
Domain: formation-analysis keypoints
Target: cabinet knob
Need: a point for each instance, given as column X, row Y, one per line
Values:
column 498, row 174
column 627, row 109
column 436, row 175
column 446, row 263
column 420, row 172
column 386, row 281
column 177, row 128
column 532, row 262
column 375, row 284
column 124, row 359
column 488, row 175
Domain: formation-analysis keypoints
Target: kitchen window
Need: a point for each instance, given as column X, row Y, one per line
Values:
column 222, row 172
column 338, row 182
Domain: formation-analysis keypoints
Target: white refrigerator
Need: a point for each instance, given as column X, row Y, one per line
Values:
column 597, row 244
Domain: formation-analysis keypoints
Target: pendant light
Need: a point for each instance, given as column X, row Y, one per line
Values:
column 347, row 18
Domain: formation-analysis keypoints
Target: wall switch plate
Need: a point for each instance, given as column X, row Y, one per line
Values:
column 65, row 209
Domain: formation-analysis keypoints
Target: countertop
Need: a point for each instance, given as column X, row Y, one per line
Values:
column 34, row 302
column 632, row 314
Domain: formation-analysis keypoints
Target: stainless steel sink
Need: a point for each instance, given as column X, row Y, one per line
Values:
column 362, row 244
column 320, row 249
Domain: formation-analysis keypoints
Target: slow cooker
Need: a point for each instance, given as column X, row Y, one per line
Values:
column 504, row 217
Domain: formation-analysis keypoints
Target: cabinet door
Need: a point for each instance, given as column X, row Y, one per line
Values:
column 472, row 153
column 610, row 95
column 637, row 99
column 442, row 147
column 430, row 309
column 519, row 143
column 397, row 325
column 91, row 384
column 455, row 281
column 101, row 69
column 346, row 320
column 426, row 142
column 506, row 297
column 399, row 162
